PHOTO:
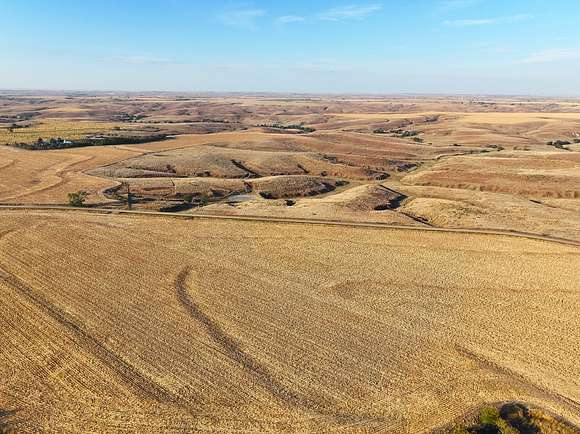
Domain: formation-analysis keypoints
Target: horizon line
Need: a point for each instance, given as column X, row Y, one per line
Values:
column 294, row 93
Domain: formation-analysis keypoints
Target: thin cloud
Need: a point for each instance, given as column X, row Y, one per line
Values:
column 448, row 5
column 290, row 19
column 488, row 21
column 351, row 12
column 242, row 18
column 551, row 55
column 141, row 60
column 469, row 23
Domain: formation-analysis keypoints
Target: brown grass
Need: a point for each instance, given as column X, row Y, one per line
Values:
column 452, row 178
column 540, row 175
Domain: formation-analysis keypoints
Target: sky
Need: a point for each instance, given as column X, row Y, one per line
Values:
column 511, row 47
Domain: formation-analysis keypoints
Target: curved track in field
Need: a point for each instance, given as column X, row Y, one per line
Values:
column 197, row 308
column 251, row 365
column 142, row 385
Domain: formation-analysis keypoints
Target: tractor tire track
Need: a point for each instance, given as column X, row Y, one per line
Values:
column 137, row 381
column 231, row 346
column 253, row 367
column 9, row 164
column 6, row 232
column 490, row 365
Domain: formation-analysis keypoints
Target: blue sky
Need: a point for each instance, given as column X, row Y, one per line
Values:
column 413, row 46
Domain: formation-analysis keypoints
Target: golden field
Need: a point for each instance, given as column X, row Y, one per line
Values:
column 368, row 312
column 138, row 323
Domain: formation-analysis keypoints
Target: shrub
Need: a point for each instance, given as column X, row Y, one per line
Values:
column 77, row 198
column 560, row 144
column 460, row 431
column 506, row 428
column 127, row 188
column 494, row 146
column 489, row 416
column 298, row 127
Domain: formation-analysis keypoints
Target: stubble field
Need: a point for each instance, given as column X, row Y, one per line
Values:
column 137, row 323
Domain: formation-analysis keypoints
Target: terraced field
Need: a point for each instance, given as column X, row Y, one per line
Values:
column 115, row 323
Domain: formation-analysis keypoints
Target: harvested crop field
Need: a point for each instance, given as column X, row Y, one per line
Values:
column 117, row 323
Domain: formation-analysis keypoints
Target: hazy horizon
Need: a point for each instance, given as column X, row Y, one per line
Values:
column 423, row 47
column 242, row 93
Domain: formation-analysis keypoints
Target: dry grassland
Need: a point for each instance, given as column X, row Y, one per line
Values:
column 446, row 207
column 46, row 177
column 521, row 130
column 128, row 323
column 218, row 162
column 472, row 162
column 358, row 203
column 538, row 175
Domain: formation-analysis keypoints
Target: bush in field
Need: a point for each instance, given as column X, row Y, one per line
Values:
column 195, row 199
column 511, row 418
column 505, row 428
column 560, row 144
column 188, row 197
column 266, row 195
column 460, row 431
column 298, row 127
column 77, row 198
column 203, row 200
column 489, row 416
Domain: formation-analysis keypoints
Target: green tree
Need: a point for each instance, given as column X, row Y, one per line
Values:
column 489, row 416
column 77, row 198
column 203, row 200
column 505, row 428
